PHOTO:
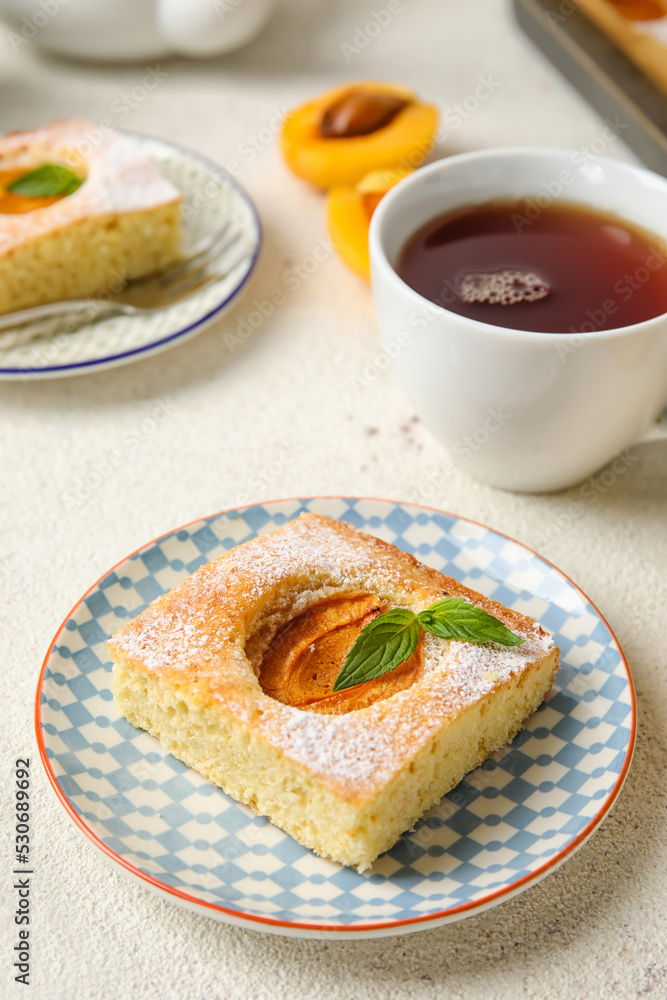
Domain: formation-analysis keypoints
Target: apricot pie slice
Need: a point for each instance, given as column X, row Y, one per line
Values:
column 120, row 220
column 233, row 671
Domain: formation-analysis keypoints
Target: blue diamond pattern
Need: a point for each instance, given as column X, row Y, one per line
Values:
column 503, row 822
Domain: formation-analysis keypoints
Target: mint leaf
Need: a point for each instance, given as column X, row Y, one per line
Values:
column 391, row 638
column 381, row 645
column 455, row 618
column 51, row 180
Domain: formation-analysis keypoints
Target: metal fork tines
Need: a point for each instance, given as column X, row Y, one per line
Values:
column 210, row 260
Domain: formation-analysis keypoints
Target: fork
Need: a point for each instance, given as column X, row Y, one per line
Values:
column 156, row 293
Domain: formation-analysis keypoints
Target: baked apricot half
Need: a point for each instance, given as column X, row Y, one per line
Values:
column 349, row 131
column 349, row 213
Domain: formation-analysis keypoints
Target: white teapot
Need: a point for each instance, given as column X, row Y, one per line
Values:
column 132, row 30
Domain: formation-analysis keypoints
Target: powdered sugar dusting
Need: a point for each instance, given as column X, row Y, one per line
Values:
column 243, row 597
column 162, row 649
column 216, row 624
column 369, row 745
column 309, row 552
column 337, row 745
column 118, row 178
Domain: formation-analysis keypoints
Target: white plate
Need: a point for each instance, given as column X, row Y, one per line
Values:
column 507, row 825
column 211, row 198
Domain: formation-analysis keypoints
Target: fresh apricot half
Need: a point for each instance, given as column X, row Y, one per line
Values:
column 349, row 212
column 349, row 131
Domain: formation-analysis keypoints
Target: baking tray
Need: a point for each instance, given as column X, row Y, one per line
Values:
column 602, row 74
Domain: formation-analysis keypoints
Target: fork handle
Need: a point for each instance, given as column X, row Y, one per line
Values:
column 83, row 310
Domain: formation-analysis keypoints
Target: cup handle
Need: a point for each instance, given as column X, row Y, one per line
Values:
column 658, row 432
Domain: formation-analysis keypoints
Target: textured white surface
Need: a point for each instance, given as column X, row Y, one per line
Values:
column 229, row 418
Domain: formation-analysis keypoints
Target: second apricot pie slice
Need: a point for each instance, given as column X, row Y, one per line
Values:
column 121, row 219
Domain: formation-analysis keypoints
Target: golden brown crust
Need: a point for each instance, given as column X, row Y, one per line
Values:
column 208, row 634
column 220, row 600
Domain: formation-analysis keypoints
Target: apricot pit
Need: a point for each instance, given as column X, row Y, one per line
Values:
column 338, row 138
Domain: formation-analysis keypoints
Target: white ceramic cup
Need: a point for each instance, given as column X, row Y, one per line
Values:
column 533, row 412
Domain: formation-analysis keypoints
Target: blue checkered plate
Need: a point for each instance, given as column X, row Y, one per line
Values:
column 508, row 824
